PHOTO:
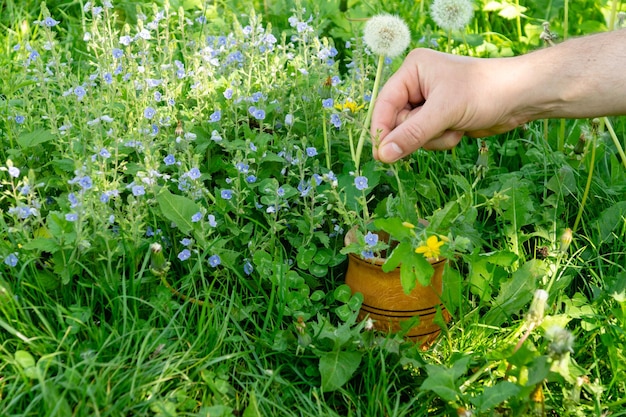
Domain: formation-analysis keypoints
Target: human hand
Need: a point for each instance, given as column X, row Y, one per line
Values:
column 435, row 98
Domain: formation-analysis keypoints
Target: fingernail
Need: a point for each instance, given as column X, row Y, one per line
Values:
column 391, row 152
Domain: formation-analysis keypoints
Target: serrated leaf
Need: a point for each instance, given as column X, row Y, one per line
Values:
column 397, row 256
column 415, row 269
column 177, row 209
column 495, row 395
column 34, row 138
column 337, row 367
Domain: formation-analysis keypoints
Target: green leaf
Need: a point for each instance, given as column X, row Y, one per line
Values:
column 497, row 394
column 34, row 138
column 399, row 253
column 177, row 209
column 343, row 293
column 394, row 227
column 443, row 380
column 305, row 256
column 323, row 256
column 43, row 244
column 415, row 268
column 337, row 367
column 24, row 359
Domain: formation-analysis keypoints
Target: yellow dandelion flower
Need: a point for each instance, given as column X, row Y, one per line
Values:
column 432, row 248
column 349, row 105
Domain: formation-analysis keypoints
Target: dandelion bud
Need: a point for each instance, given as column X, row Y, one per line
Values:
column 561, row 341
column 579, row 148
column 566, row 239
column 452, row 14
column 537, row 307
column 157, row 260
column 386, row 35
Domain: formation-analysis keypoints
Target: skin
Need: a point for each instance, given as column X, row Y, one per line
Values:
column 434, row 99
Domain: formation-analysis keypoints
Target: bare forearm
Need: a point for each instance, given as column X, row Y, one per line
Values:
column 580, row 78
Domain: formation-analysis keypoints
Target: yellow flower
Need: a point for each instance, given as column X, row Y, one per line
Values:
column 349, row 105
column 432, row 248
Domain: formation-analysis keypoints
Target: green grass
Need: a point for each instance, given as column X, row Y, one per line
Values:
column 88, row 328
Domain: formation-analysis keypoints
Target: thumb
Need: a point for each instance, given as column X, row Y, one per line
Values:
column 421, row 125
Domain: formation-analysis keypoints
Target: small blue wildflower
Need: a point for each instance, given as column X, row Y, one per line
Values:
column 215, row 136
column 289, row 119
column 388, row 60
column 335, row 120
column 184, row 255
column 19, row 119
column 226, row 194
column 280, row 192
column 149, row 113
column 11, row 260
column 317, row 178
column 335, row 80
column 85, row 182
column 73, row 200
column 154, row 129
column 169, row 160
column 247, row 267
column 71, row 217
column 80, row 92
column 153, row 82
column 196, row 217
column 171, row 101
column 304, row 188
column 14, row 172
column 212, row 221
column 311, row 151
column 25, row 189
column 327, row 103
column 242, row 167
column 228, row 93
column 216, row 116
column 214, row 260
column 250, row 179
column 186, row 241
column 256, row 97
column 371, row 238
column 252, row 147
column 367, row 254
column 360, row 183
column 117, row 53
column 158, row 96
column 105, row 197
column 49, row 22
column 138, row 190
column 194, row 173
column 104, row 153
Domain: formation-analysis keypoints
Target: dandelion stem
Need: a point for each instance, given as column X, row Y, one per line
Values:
column 592, row 163
column 368, row 118
column 618, row 145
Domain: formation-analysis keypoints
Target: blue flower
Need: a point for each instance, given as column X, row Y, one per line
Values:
column 184, row 255
column 289, row 119
column 228, row 93
column 108, row 78
column 19, row 119
column 311, row 151
column 149, row 113
column 80, row 92
column 367, row 254
column 11, row 260
column 371, row 238
column 50, row 22
column 71, row 217
column 196, row 217
column 280, row 192
column 117, row 53
column 247, row 267
column 242, row 167
column 226, row 194
column 212, row 221
column 335, row 120
column 73, row 201
column 14, row 172
column 169, row 160
column 360, row 183
column 327, row 103
column 258, row 114
column 194, row 173
column 216, row 116
column 214, row 260
column 104, row 153
column 138, row 190
column 186, row 241
column 250, row 179
column 85, row 182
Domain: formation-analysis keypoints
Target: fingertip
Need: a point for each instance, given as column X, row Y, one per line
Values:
column 390, row 152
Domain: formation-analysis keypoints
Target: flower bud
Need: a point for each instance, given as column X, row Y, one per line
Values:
column 566, row 239
column 537, row 307
column 157, row 260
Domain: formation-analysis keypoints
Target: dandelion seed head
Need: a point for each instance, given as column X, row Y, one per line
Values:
column 386, row 35
column 452, row 14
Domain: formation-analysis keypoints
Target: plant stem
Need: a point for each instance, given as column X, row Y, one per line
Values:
column 589, row 176
column 618, row 145
column 368, row 118
column 326, row 143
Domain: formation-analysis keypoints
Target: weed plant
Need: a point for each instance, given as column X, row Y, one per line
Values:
column 170, row 234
